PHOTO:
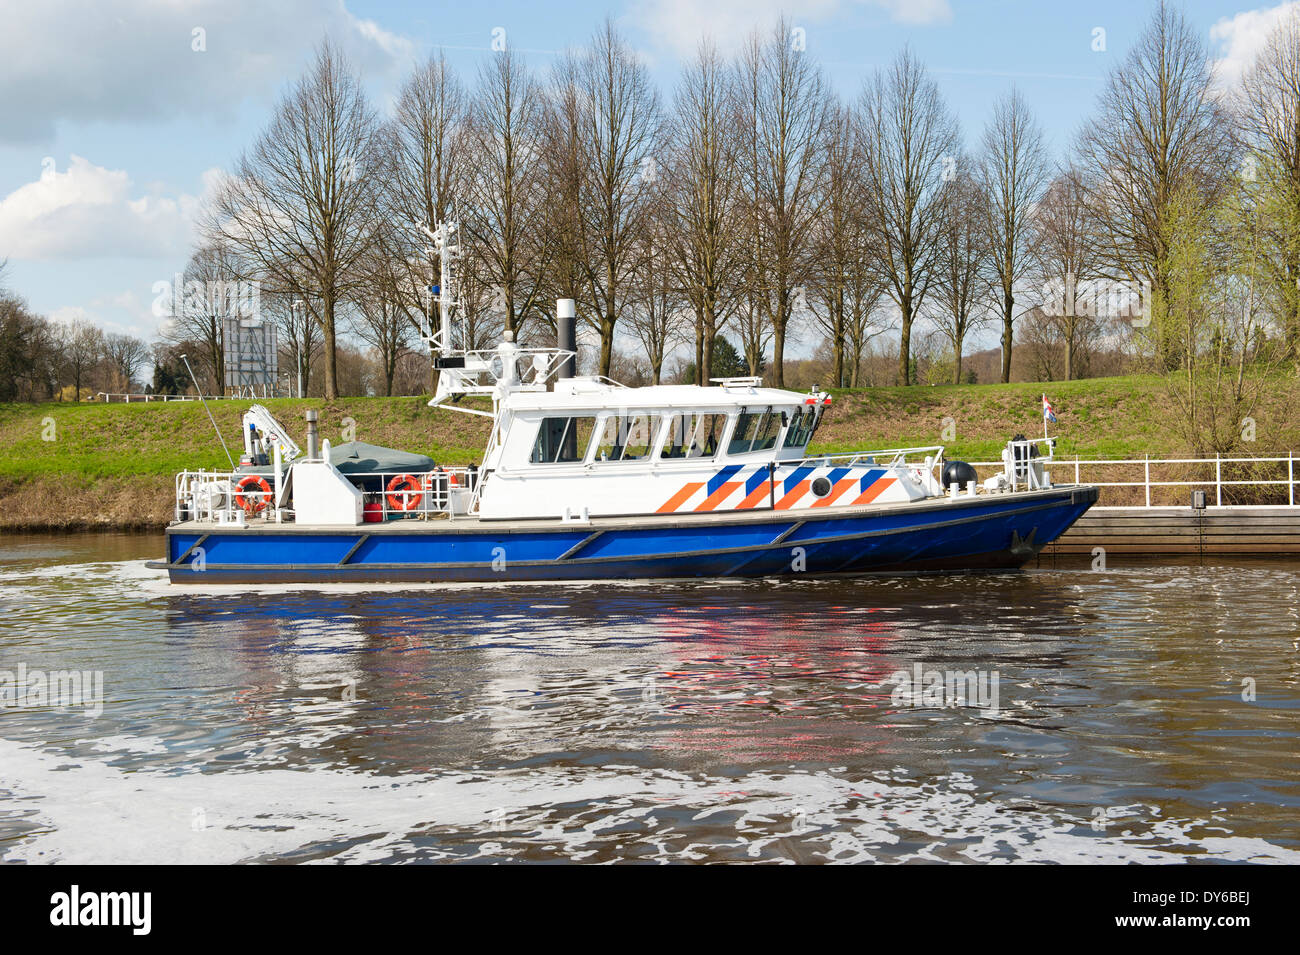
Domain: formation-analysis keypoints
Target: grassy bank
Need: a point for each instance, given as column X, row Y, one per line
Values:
column 77, row 466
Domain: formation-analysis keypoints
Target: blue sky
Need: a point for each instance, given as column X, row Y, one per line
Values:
column 114, row 125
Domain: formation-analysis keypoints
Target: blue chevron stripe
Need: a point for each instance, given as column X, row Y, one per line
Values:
column 754, row 480
column 793, row 480
column 870, row 478
column 722, row 477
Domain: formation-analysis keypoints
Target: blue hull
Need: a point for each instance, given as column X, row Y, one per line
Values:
column 993, row 532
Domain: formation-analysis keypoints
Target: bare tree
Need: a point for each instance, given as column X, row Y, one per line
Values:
column 965, row 266
column 1159, row 130
column 784, row 110
column 657, row 305
column 1065, row 263
column 568, row 250
column 82, row 347
column 505, row 220
column 29, row 352
column 911, row 141
column 381, row 321
column 840, row 238
column 300, row 207
column 299, row 338
column 621, row 127
column 426, row 155
column 1013, row 172
column 126, row 355
column 863, row 322
column 208, row 297
column 703, row 196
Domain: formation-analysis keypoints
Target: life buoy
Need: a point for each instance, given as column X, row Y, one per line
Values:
column 404, row 493
column 256, row 501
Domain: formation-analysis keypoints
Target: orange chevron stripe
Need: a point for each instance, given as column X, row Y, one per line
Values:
column 876, row 489
column 678, row 499
column 718, row 496
column 787, row 502
column 842, row 485
column 759, row 494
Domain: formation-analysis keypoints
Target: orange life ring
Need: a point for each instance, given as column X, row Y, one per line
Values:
column 253, row 503
column 404, row 493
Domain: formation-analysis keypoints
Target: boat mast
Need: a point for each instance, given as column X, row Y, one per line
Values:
column 463, row 370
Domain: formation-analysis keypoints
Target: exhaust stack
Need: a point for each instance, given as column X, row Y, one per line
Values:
column 566, row 327
column 313, row 435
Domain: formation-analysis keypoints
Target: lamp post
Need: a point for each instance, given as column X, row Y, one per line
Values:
column 297, row 340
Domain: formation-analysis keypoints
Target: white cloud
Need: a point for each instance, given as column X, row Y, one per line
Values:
column 132, row 60
column 70, row 314
column 118, row 319
column 682, row 24
column 1238, row 39
column 87, row 211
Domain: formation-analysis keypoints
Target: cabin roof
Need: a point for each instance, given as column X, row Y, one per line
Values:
column 589, row 394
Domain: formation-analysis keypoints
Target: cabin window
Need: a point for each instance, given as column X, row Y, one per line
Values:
column 693, row 435
column 755, row 431
column 801, row 424
column 768, row 431
column 628, row 437
column 563, row 440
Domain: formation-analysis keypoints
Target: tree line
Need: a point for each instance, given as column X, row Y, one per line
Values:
column 41, row 360
column 754, row 205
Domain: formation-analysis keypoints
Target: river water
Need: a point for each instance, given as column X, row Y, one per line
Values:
column 1144, row 713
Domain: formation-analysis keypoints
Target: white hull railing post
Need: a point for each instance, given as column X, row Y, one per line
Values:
column 1147, row 479
column 1290, row 478
column 1218, row 481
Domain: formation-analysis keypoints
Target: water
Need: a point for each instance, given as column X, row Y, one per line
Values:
column 724, row 721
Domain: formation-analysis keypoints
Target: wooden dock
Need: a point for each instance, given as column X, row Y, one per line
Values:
column 1255, row 531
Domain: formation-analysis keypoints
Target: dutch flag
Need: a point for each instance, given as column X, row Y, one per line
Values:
column 1048, row 414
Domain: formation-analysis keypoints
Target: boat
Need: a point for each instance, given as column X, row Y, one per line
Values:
column 584, row 479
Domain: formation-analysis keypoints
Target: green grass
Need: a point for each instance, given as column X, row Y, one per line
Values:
column 120, row 440
column 1100, row 417
column 1097, row 418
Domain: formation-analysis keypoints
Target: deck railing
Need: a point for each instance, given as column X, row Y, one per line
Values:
column 1152, row 482
column 887, row 457
column 213, row 495
column 120, row 397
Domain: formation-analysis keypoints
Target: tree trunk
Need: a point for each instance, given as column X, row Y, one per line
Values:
column 905, row 340
column 1008, row 318
column 331, row 369
column 706, row 355
column 701, row 329
column 837, row 324
column 778, row 354
column 606, row 342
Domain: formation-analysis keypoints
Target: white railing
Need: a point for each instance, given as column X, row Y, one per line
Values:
column 215, row 496
column 1218, row 482
column 118, row 396
column 888, row 457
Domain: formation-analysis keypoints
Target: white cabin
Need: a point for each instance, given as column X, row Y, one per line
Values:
column 592, row 448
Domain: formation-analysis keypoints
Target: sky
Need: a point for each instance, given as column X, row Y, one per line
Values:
column 119, row 114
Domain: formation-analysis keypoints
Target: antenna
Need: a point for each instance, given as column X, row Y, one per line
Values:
column 204, row 402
